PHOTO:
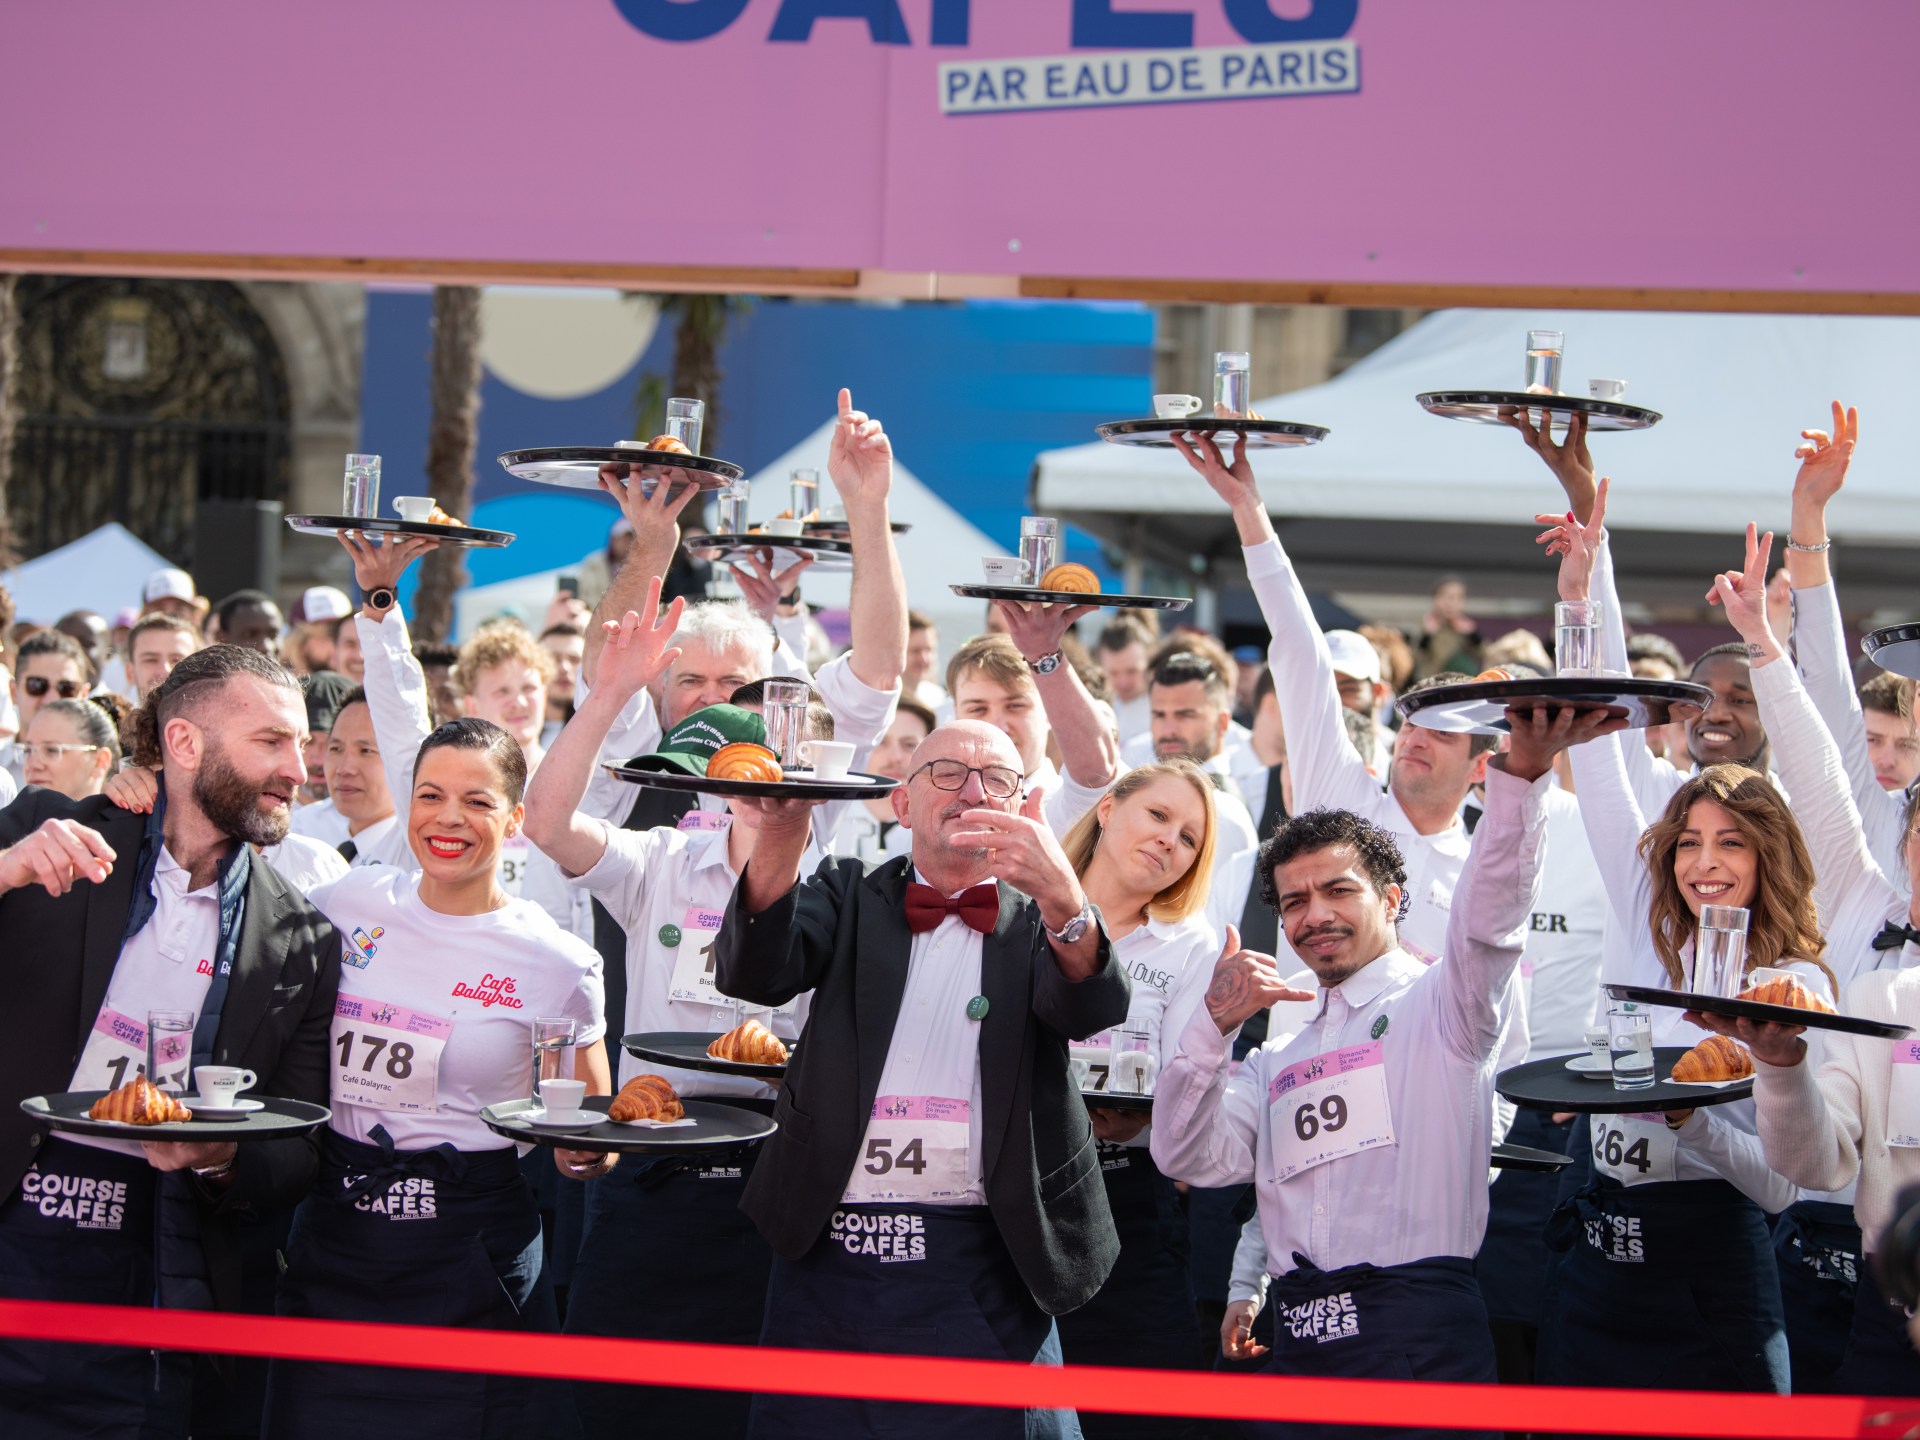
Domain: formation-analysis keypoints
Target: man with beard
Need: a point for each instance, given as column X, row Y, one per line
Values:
column 107, row 915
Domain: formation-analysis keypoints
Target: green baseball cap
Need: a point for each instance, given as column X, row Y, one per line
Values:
column 691, row 743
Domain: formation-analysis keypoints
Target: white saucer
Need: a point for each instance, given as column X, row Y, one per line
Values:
column 564, row 1119
column 204, row 1109
column 1591, row 1066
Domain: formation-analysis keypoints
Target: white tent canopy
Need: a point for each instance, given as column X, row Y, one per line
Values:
column 103, row 571
column 1734, row 390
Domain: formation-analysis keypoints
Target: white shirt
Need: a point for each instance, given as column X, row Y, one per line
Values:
column 1134, row 721
column 304, row 862
column 375, row 841
column 1425, row 1194
column 861, row 837
column 322, row 820
column 487, row 976
column 1327, row 771
column 1565, row 939
column 1169, row 964
column 655, row 883
column 935, row 1047
column 8, row 789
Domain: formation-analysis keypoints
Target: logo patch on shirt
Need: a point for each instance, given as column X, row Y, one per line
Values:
column 670, row 935
column 888, row 1238
column 363, row 948
column 1329, row 1317
column 492, row 990
column 1379, row 1027
column 90, row 1204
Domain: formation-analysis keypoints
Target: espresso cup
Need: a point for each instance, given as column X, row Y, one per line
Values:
column 830, row 759
column 413, row 507
column 788, row 526
column 221, row 1085
column 1006, row 570
column 1175, row 407
column 562, row 1097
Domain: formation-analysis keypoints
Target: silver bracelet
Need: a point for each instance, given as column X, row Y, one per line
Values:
column 1821, row 548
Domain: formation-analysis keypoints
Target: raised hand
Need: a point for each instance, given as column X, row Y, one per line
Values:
column 1245, row 982
column 1743, row 594
column 654, row 514
column 1036, row 630
column 379, row 564
column 1537, row 735
column 761, row 588
column 1771, row 1043
column 637, row 651
column 1570, row 461
column 860, row 459
column 1233, row 482
column 1824, row 457
column 1577, row 543
column 1023, row 853
column 56, row 857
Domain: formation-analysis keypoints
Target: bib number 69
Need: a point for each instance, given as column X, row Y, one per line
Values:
column 1310, row 1119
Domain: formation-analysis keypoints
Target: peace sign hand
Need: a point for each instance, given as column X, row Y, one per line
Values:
column 637, row 652
column 1743, row 594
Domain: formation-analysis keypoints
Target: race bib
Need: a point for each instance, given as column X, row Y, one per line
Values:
column 514, row 855
column 1903, row 1095
column 915, row 1149
column 1328, row 1107
column 387, row 1057
column 1634, row 1149
column 116, row 1051
column 693, row 959
column 1092, row 1061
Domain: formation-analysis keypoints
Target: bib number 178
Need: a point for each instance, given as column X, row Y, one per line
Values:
column 399, row 1054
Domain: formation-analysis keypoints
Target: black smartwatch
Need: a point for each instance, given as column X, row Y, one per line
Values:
column 381, row 599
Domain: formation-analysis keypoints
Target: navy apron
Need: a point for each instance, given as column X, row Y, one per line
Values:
column 667, row 1255
column 1512, row 1264
column 81, row 1227
column 1143, row 1315
column 1880, row 1357
column 907, row 1280
column 1420, row 1321
column 419, row 1237
column 1816, row 1244
column 1664, row 1286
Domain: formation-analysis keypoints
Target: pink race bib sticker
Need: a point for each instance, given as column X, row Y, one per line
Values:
column 123, row 1028
column 1324, row 1067
column 698, row 917
column 705, row 820
column 391, row 1017
column 920, row 1107
column 1905, row 1052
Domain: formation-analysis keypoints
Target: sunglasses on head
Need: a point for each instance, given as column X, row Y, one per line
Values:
column 38, row 685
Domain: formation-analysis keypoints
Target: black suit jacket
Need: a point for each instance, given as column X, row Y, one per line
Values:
column 57, row 955
column 843, row 935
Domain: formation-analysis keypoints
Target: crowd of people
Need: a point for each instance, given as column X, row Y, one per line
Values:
column 366, row 866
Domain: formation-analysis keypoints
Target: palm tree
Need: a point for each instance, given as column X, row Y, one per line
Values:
column 451, row 433
column 700, row 327
column 9, row 406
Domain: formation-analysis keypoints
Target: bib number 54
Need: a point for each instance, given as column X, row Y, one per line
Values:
column 881, row 1158
column 1310, row 1119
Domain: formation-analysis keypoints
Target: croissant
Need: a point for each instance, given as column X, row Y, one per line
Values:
column 138, row 1103
column 646, row 1097
column 1069, row 576
column 1714, row 1058
column 750, row 1044
column 672, row 444
column 437, row 516
column 1786, row 990
column 744, row 760
column 1496, row 673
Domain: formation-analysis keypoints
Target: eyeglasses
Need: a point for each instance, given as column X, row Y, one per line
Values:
column 997, row 781
column 49, row 752
column 38, row 685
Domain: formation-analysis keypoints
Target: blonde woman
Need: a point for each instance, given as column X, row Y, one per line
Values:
column 1144, row 855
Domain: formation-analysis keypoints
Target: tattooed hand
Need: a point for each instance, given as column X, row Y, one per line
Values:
column 1245, row 982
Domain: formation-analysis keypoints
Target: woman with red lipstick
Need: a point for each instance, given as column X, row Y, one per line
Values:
column 1665, row 1275
column 419, row 1212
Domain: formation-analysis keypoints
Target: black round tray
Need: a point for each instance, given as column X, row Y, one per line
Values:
column 829, row 556
column 1491, row 407
column 1548, row 1085
column 1157, row 434
column 840, row 530
column 1894, row 648
column 1108, row 1100
column 277, row 1120
column 1755, row 1010
column 1034, row 596
column 857, row 786
column 687, row 1049
column 715, row 1127
column 1479, row 707
column 446, row 534
column 1525, row 1157
column 577, row 467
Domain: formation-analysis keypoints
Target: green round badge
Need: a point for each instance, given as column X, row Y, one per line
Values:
column 977, row 1008
column 669, row 935
column 1379, row 1027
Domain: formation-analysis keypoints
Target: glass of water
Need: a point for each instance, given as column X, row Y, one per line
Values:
column 732, row 519
column 1720, row 951
column 360, row 492
column 169, row 1049
column 784, row 708
column 552, row 1052
column 1134, row 1068
column 1630, row 1045
column 1544, row 348
column 1039, row 546
column 1576, row 635
column 1232, row 385
column 685, row 419
column 803, row 491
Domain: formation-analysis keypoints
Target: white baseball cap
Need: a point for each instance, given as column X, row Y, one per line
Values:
column 1354, row 655
column 168, row 584
column 323, row 602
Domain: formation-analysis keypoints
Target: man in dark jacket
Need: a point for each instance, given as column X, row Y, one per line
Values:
column 934, row 1186
column 106, row 919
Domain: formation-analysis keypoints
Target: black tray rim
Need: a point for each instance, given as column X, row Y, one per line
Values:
column 1886, row 637
column 1555, row 689
column 1602, row 1099
column 1109, row 1100
column 1528, row 1158
column 1641, row 417
column 709, row 473
column 1098, row 599
column 319, row 525
column 1152, row 432
column 1755, row 1010
column 305, row 1115
column 757, row 789
column 637, row 1046
column 629, row 1142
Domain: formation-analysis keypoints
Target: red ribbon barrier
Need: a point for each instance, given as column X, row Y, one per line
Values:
column 1713, row 1415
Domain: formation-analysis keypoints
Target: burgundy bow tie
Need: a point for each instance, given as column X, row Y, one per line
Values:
column 978, row 906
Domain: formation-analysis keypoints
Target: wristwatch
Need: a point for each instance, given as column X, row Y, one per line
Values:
column 1075, row 927
column 382, row 598
column 1046, row 664
column 215, row 1172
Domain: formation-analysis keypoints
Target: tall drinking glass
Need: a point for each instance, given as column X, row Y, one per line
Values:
column 360, row 493
column 1630, row 1045
column 1720, row 951
column 169, row 1049
column 552, row 1052
column 784, row 708
column 733, row 508
column 685, row 420
column 1576, row 633
column 1232, row 386
column 1134, row 1067
column 1544, row 349
column 803, row 490
column 1039, row 545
